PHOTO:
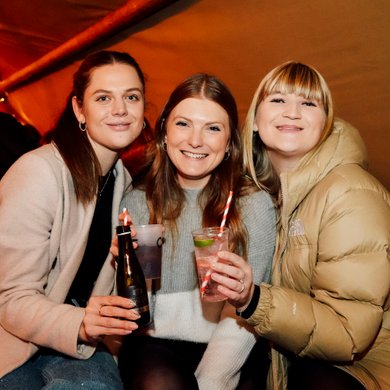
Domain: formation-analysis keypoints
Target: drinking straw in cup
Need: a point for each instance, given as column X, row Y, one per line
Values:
column 225, row 213
column 207, row 249
column 208, row 241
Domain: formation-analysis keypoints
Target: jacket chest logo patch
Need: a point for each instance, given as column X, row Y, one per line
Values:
column 296, row 228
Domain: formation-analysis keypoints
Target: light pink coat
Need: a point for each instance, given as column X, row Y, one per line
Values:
column 43, row 234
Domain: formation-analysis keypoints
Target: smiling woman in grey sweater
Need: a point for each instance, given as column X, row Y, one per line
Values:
column 197, row 158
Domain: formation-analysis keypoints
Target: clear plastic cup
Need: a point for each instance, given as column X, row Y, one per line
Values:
column 150, row 239
column 207, row 242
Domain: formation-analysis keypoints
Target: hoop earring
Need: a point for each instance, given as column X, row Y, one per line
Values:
column 164, row 146
column 83, row 126
column 144, row 125
column 227, row 155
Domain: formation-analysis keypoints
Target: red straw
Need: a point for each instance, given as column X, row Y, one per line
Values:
column 205, row 281
column 209, row 272
column 225, row 213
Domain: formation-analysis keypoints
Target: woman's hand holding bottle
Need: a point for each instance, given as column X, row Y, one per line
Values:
column 107, row 315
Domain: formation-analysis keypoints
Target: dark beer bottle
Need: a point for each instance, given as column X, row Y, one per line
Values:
column 130, row 279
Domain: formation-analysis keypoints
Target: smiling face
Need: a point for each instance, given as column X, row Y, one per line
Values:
column 197, row 137
column 112, row 108
column 290, row 126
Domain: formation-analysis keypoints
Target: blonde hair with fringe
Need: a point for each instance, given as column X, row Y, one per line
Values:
column 289, row 77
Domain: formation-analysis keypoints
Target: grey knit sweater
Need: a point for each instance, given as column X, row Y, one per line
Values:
column 178, row 310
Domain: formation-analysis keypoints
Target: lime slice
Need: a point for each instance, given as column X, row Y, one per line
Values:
column 203, row 242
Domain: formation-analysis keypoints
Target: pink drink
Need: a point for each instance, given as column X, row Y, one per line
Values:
column 209, row 241
column 210, row 292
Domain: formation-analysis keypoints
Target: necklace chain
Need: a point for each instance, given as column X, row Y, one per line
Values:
column 105, row 183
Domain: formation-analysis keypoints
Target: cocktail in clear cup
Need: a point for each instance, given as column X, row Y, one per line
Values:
column 208, row 242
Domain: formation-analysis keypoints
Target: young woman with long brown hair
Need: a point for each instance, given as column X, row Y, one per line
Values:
column 196, row 161
column 57, row 207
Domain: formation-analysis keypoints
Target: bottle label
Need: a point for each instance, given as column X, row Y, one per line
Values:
column 142, row 309
column 141, row 305
column 138, row 297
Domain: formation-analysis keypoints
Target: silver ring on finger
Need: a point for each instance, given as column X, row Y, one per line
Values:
column 242, row 288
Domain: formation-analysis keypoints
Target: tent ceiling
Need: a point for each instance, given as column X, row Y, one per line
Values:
column 30, row 29
column 348, row 41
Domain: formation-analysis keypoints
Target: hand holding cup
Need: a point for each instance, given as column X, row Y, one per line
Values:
column 235, row 279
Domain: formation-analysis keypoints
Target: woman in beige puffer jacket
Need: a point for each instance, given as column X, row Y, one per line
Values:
column 326, row 313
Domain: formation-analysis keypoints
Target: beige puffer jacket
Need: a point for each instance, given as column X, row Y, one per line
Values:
column 329, row 297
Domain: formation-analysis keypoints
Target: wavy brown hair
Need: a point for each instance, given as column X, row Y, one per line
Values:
column 165, row 197
column 72, row 143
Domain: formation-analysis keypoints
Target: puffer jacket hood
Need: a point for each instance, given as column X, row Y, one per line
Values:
column 343, row 146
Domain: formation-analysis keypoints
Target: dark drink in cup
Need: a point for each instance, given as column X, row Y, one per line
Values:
column 150, row 260
column 150, row 239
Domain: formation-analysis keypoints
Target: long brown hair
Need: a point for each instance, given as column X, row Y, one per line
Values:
column 164, row 195
column 72, row 143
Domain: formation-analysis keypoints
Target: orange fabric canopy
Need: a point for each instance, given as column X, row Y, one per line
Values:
column 239, row 41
